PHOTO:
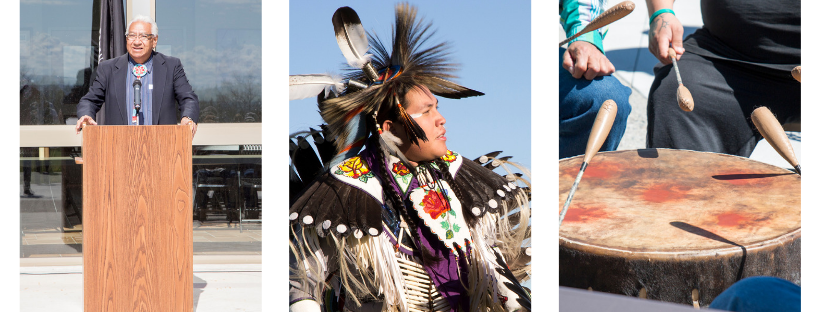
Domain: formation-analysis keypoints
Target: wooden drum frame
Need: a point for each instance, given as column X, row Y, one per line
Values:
column 675, row 225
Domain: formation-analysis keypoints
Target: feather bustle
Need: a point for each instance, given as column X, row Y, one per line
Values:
column 352, row 216
column 304, row 197
column 327, row 198
column 315, row 199
column 336, row 113
column 328, row 208
column 324, row 145
column 486, row 157
column 372, row 217
column 485, row 183
column 351, row 37
column 476, row 197
column 468, row 175
column 307, row 86
column 421, row 64
column 305, row 161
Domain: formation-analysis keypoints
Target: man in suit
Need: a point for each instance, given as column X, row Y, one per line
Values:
column 162, row 78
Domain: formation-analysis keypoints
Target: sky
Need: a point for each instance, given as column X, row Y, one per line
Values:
column 490, row 41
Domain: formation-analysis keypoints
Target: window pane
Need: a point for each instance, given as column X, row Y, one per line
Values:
column 56, row 59
column 220, row 46
column 227, row 186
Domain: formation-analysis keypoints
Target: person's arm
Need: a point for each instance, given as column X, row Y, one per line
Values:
column 664, row 30
column 584, row 56
column 187, row 99
column 577, row 14
column 90, row 104
column 190, row 122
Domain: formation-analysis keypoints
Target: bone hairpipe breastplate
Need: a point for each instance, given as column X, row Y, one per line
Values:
column 419, row 290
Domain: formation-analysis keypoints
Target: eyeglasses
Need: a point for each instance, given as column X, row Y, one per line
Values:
column 143, row 37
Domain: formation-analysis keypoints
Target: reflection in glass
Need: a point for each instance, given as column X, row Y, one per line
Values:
column 220, row 45
column 56, row 59
column 50, row 202
column 227, row 208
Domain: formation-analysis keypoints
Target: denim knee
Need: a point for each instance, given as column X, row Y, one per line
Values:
column 584, row 95
column 758, row 294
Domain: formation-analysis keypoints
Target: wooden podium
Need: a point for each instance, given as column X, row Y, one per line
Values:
column 137, row 222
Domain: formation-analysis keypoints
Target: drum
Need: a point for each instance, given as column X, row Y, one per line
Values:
column 675, row 224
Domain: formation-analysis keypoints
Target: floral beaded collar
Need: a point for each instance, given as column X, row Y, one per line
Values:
column 403, row 177
column 434, row 201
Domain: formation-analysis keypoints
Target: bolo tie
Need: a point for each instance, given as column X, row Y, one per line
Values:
column 139, row 71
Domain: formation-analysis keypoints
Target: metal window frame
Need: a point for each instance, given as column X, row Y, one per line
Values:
column 206, row 134
column 140, row 7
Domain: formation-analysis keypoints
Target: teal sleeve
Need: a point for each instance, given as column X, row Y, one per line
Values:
column 573, row 22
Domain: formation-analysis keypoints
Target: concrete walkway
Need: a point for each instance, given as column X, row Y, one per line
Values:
column 221, row 283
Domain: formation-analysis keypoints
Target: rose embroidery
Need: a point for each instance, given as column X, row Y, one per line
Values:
column 434, row 204
column 400, row 169
column 449, row 157
column 402, row 175
column 439, row 211
column 355, row 168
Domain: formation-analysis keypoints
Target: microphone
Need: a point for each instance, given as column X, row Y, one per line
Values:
column 137, row 99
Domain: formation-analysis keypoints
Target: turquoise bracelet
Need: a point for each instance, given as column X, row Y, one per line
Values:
column 659, row 12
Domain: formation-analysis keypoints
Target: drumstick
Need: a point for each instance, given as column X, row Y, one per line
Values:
column 796, row 73
column 612, row 14
column 684, row 97
column 773, row 132
column 600, row 130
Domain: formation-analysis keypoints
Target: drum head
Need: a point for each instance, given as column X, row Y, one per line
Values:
column 664, row 203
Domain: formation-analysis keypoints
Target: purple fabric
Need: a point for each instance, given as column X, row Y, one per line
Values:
column 371, row 157
column 444, row 274
column 414, row 184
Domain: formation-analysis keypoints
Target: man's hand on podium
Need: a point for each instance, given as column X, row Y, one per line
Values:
column 188, row 121
column 85, row 119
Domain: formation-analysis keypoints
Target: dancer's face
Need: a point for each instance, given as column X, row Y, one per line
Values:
column 422, row 106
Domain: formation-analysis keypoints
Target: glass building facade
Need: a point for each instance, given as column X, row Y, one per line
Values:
column 219, row 44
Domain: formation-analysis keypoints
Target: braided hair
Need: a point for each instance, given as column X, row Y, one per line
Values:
column 444, row 167
column 395, row 200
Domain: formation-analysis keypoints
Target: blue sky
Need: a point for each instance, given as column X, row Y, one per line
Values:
column 491, row 41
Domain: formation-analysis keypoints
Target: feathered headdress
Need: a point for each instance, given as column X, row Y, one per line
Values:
column 378, row 82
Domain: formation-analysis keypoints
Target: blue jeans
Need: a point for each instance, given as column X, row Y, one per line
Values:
column 578, row 104
column 759, row 294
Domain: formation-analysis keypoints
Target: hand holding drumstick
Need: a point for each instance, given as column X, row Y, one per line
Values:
column 583, row 59
column 665, row 30
column 685, row 101
column 614, row 13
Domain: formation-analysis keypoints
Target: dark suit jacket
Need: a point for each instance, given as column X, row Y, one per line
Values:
column 170, row 87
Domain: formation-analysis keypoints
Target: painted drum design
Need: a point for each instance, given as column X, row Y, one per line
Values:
column 672, row 221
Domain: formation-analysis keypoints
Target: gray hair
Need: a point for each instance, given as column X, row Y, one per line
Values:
column 146, row 19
